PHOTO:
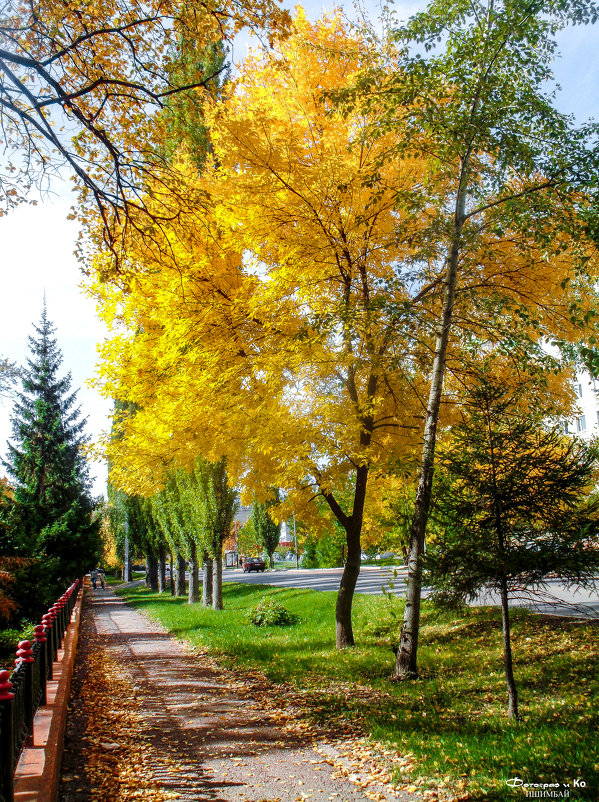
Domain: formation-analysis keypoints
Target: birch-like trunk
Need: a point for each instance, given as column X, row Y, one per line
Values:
column 406, row 665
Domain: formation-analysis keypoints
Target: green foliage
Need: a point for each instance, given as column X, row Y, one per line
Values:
column 331, row 548
column 9, row 640
column 310, row 557
column 220, row 503
column 326, row 551
column 270, row 613
column 512, row 499
column 195, row 507
column 49, row 513
column 266, row 531
column 9, row 373
column 246, row 539
column 184, row 111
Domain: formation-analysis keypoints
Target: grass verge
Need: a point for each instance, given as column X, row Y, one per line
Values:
column 450, row 726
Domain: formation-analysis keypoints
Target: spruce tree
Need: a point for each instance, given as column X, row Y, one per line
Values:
column 515, row 504
column 52, row 508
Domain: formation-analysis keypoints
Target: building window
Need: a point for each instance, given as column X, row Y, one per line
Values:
column 581, row 424
column 578, row 390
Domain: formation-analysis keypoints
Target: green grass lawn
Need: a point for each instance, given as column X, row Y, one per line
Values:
column 453, row 720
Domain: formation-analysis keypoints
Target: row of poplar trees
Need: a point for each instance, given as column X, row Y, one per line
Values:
column 188, row 520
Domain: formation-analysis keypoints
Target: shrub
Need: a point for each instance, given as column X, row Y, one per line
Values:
column 9, row 640
column 269, row 613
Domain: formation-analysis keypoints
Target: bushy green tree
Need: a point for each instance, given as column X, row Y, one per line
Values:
column 49, row 514
column 513, row 505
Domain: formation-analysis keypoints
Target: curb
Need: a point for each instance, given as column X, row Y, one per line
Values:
column 37, row 774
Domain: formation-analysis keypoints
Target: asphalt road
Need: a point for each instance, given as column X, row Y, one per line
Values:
column 554, row 599
column 371, row 579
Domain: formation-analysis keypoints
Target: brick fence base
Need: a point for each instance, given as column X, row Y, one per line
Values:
column 38, row 771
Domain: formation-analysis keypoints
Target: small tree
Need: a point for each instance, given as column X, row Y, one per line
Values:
column 267, row 532
column 513, row 506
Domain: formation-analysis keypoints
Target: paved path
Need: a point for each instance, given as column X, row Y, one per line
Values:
column 206, row 737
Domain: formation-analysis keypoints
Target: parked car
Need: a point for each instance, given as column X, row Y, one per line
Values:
column 253, row 564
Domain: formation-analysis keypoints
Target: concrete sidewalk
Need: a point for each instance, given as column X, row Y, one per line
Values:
column 204, row 736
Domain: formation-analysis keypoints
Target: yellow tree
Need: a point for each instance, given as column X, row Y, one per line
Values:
column 275, row 323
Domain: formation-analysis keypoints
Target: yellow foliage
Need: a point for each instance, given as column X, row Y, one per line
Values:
column 256, row 327
column 281, row 317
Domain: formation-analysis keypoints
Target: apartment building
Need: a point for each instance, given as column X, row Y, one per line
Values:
column 586, row 423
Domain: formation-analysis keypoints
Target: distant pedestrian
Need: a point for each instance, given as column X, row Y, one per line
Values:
column 93, row 575
column 101, row 577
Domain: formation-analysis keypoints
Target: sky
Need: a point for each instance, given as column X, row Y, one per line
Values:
column 37, row 245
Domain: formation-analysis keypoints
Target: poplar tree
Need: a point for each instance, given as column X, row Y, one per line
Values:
column 220, row 505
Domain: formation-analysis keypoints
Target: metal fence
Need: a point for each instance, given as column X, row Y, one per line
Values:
column 24, row 690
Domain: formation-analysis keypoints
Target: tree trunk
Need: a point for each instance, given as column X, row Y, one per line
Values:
column 207, row 581
column 161, row 570
column 181, row 565
column 194, row 577
column 512, row 693
column 151, row 571
column 172, row 577
column 344, row 635
column 406, row 664
column 271, row 560
column 217, row 579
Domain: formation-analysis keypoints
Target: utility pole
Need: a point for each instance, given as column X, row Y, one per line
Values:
column 126, row 574
column 295, row 541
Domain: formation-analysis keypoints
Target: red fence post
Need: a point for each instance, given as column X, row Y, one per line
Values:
column 40, row 636
column 47, row 622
